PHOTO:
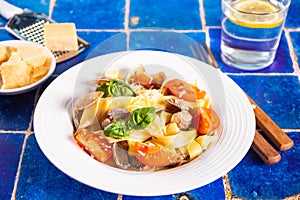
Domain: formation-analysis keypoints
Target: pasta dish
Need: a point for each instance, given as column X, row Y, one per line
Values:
column 145, row 122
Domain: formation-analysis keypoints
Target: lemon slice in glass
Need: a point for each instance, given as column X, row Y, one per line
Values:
column 256, row 14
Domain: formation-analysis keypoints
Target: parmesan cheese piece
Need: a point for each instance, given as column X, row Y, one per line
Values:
column 40, row 71
column 3, row 54
column 33, row 56
column 61, row 37
column 15, row 72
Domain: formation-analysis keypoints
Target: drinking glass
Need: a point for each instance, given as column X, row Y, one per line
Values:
column 251, row 31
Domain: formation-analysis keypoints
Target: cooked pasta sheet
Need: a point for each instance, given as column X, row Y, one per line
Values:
column 145, row 122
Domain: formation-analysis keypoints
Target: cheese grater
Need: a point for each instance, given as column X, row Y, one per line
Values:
column 29, row 26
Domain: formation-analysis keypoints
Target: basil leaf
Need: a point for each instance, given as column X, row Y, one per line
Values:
column 140, row 118
column 118, row 129
column 116, row 88
column 104, row 88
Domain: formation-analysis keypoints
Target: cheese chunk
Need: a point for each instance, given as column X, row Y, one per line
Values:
column 3, row 54
column 33, row 56
column 40, row 71
column 60, row 37
column 15, row 72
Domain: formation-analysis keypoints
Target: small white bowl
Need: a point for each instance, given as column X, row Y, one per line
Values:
column 34, row 85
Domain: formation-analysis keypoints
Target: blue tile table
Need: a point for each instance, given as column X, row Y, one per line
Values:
column 25, row 173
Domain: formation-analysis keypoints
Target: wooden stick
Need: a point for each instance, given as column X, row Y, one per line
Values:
column 279, row 138
column 264, row 150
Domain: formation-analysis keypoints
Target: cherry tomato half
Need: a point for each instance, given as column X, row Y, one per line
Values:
column 180, row 89
column 205, row 120
column 142, row 79
column 154, row 156
column 94, row 144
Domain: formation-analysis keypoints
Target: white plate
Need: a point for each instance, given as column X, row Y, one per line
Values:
column 36, row 84
column 53, row 128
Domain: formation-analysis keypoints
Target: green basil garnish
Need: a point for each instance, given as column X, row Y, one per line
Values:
column 118, row 129
column 142, row 117
column 116, row 88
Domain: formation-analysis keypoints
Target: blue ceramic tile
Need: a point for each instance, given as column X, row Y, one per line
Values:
column 105, row 43
column 16, row 111
column 10, row 150
column 166, row 197
column 296, row 43
column 4, row 35
column 90, row 14
column 282, row 62
column 278, row 96
column 212, row 191
column 167, row 41
column 32, row 5
column 213, row 12
column 39, row 179
column 100, row 43
column 293, row 20
column 197, row 36
column 252, row 179
column 3, row 21
column 165, row 14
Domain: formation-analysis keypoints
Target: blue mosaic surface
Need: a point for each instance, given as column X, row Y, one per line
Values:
column 293, row 20
column 16, row 111
column 166, row 14
column 10, row 151
column 4, row 35
column 105, row 25
column 278, row 96
column 172, row 43
column 88, row 15
column 205, row 192
column 251, row 170
column 211, row 10
column 296, row 42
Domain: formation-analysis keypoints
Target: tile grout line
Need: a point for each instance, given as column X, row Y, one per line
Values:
column 142, row 29
column 203, row 21
column 51, row 7
column 261, row 73
column 226, row 185
column 120, row 197
column 14, row 192
column 293, row 29
column 126, row 22
column 100, row 30
column 293, row 54
column 12, row 132
column 227, row 189
column 27, row 134
column 126, row 16
column 202, row 15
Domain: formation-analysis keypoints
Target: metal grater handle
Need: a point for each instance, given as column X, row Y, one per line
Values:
column 8, row 10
